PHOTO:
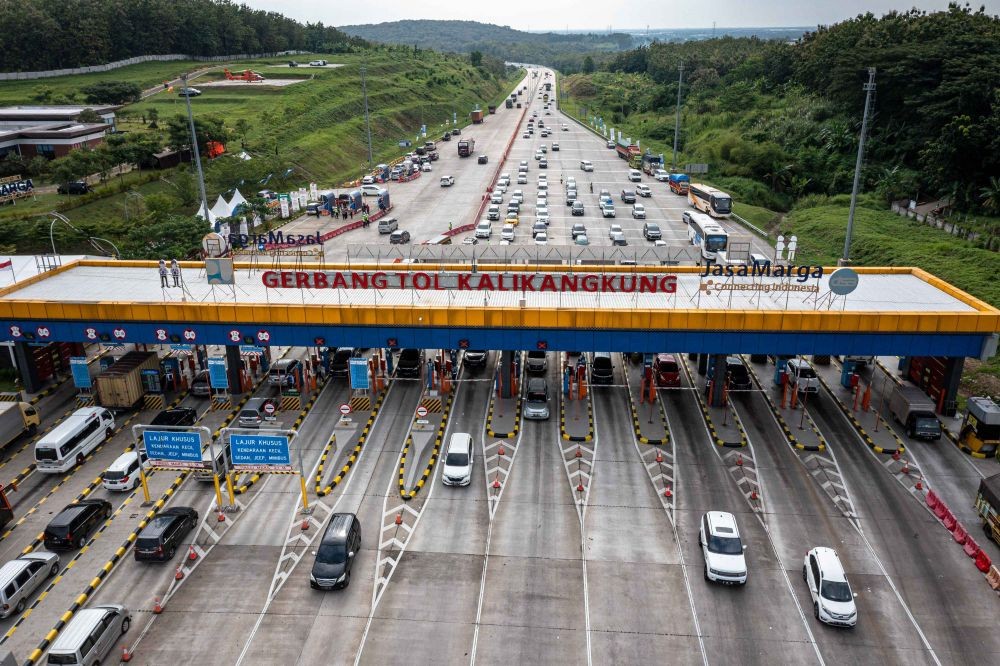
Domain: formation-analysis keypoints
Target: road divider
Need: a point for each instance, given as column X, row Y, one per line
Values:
column 435, row 452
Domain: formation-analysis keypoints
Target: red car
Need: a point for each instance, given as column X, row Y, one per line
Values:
column 666, row 370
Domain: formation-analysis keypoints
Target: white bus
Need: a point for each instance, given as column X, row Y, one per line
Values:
column 706, row 233
column 709, row 200
column 70, row 442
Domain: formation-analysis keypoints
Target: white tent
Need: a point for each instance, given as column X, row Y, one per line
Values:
column 221, row 208
column 236, row 202
column 211, row 216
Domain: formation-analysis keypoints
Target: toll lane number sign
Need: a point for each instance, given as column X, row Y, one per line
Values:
column 260, row 453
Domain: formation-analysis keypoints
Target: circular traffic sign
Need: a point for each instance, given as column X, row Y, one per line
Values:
column 269, row 408
column 345, row 409
column 843, row 281
column 421, row 411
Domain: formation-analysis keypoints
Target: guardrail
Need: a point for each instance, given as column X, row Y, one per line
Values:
column 21, row 76
column 749, row 225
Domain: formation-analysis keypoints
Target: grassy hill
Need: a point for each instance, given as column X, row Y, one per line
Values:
column 563, row 51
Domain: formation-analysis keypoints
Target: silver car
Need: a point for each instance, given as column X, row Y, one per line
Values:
column 20, row 577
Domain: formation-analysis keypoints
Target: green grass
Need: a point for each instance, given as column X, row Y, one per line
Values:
column 147, row 75
column 757, row 215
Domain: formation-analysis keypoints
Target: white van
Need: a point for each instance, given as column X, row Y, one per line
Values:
column 458, row 460
column 90, row 635
column 484, row 229
column 123, row 474
column 72, row 440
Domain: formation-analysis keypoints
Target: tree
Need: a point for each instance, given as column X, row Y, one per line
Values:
column 242, row 125
column 588, row 64
column 89, row 116
column 989, row 195
column 207, row 127
column 165, row 235
column 152, row 115
column 112, row 92
column 476, row 58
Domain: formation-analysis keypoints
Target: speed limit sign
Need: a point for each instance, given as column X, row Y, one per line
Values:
column 421, row 411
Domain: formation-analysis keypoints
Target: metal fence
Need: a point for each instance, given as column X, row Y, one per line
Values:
column 107, row 67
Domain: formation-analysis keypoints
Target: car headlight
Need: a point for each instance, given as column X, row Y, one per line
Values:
column 342, row 578
column 312, row 578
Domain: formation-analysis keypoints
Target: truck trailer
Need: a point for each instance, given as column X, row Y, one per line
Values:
column 988, row 506
column 477, row 116
column 679, row 183
column 16, row 419
column 626, row 150
column 911, row 407
column 120, row 386
column 492, row 109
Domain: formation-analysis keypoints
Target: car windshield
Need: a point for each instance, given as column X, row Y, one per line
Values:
column 332, row 553
column 722, row 205
column 836, row 591
column 738, row 373
column 724, row 545
column 715, row 243
column 807, row 373
column 457, row 459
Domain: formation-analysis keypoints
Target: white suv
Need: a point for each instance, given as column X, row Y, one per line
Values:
column 722, row 549
column 833, row 601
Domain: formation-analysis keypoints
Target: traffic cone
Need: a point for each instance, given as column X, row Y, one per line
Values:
column 659, row 456
column 126, row 655
column 906, row 467
column 222, row 517
column 895, row 455
column 579, row 487
column 579, row 453
column 667, row 493
column 920, row 483
column 157, row 606
column 753, row 493
column 192, row 556
column 739, row 459
column 399, row 518
column 305, row 525
column 179, row 575
column 500, row 451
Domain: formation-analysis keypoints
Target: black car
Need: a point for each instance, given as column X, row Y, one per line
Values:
column 399, row 237
column 75, row 187
column 178, row 416
column 72, row 527
column 739, row 376
column 456, row 132
column 340, row 361
column 483, row 159
column 601, row 368
column 341, row 542
column 433, row 155
column 446, row 137
column 161, row 536
column 409, row 363
column 475, row 358
column 628, row 196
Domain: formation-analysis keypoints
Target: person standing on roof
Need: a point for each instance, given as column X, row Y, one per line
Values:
column 163, row 273
column 175, row 271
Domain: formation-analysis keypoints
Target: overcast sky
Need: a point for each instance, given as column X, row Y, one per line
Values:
column 599, row 14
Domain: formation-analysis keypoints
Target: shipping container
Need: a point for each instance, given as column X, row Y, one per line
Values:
column 121, row 385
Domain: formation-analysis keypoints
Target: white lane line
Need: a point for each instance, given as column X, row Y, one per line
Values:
column 493, row 508
column 278, row 582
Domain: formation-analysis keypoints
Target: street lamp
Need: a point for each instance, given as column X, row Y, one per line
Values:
column 94, row 241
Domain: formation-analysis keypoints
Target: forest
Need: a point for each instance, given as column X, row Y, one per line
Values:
column 92, row 32
column 781, row 120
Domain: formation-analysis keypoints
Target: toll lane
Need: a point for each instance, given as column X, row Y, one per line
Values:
column 434, row 590
column 934, row 579
column 758, row 622
column 533, row 605
column 638, row 600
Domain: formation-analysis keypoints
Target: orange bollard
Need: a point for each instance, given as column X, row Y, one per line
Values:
column 795, row 396
column 866, row 401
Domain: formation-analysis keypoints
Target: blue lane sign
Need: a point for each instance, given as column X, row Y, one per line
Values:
column 251, row 350
column 359, row 373
column 173, row 448
column 260, row 453
column 81, row 372
column 217, row 376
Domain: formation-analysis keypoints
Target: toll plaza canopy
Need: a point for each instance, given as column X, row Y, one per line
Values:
column 780, row 310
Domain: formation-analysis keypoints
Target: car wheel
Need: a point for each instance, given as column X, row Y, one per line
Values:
column 79, row 459
column 170, row 553
column 126, row 623
column 109, row 433
column 80, row 541
column 705, row 571
column 107, row 513
column 347, row 581
column 54, row 570
column 20, row 607
column 804, row 576
column 816, row 609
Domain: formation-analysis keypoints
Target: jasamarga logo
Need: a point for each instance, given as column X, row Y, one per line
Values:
column 273, row 238
column 800, row 273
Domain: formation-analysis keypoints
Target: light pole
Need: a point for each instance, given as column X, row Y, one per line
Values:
column 869, row 88
column 368, row 127
column 194, row 147
column 677, row 116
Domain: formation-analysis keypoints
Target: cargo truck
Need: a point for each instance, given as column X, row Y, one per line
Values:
column 626, row 150
column 120, row 386
column 679, row 183
column 16, row 419
column 466, row 147
column 492, row 109
column 911, row 407
column 988, row 506
column 509, row 103
column 477, row 116
column 648, row 163
column 980, row 431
